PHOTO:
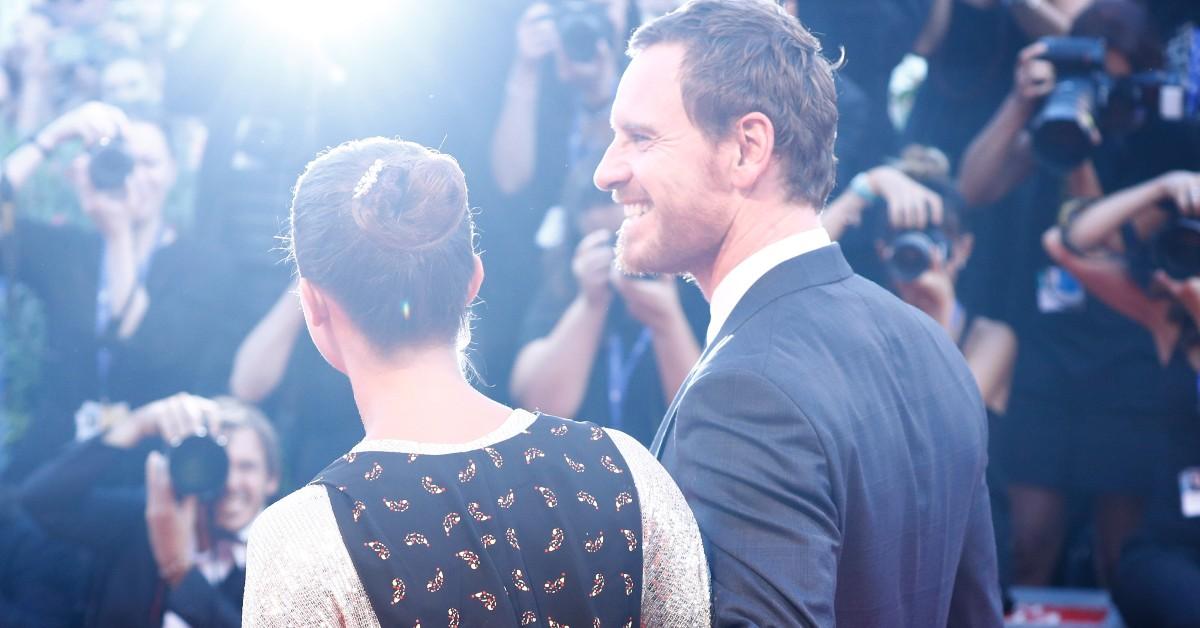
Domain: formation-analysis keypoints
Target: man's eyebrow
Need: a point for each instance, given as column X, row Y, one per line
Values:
column 634, row 128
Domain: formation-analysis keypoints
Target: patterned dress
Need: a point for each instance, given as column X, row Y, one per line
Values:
column 543, row 525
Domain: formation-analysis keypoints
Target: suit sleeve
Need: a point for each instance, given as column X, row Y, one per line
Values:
column 976, row 598
column 756, row 475
column 201, row 604
column 63, row 496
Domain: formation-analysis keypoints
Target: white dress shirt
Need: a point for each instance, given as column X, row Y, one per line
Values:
column 735, row 285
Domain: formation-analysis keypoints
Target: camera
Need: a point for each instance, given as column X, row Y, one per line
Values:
column 1176, row 248
column 198, row 466
column 1086, row 101
column 913, row 251
column 110, row 165
column 581, row 25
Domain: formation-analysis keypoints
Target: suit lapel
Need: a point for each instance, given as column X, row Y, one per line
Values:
column 822, row 266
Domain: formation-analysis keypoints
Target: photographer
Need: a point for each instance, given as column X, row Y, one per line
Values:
column 598, row 344
column 1137, row 251
column 1003, row 155
column 570, row 102
column 132, row 307
column 1085, row 407
column 971, row 47
column 924, row 242
column 162, row 555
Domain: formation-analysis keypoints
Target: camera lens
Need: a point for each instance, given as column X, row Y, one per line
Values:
column 912, row 255
column 199, row 466
column 110, row 166
column 1063, row 129
column 581, row 25
column 1177, row 249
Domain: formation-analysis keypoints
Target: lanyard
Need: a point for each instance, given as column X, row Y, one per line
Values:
column 1193, row 71
column 620, row 370
column 105, row 324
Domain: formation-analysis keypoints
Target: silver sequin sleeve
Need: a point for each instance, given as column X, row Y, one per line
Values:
column 298, row 571
column 675, row 590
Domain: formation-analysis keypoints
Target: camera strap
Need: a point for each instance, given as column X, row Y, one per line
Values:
column 106, row 323
column 620, row 371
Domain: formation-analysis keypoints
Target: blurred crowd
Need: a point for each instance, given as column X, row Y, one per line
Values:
column 1036, row 191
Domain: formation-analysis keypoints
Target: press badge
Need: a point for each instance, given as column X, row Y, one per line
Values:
column 1189, row 492
column 1059, row 291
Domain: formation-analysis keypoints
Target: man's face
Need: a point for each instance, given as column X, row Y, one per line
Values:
column 153, row 165
column 249, row 484
column 127, row 83
column 664, row 171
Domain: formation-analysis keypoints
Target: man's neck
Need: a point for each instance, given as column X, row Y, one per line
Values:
column 421, row 396
column 753, row 229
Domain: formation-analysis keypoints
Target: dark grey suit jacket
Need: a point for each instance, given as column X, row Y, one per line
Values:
column 832, row 444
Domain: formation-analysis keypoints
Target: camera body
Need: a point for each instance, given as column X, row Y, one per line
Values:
column 110, row 165
column 199, row 466
column 1175, row 249
column 581, row 25
column 1087, row 102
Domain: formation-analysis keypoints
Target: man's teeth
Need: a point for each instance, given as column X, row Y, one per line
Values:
column 633, row 210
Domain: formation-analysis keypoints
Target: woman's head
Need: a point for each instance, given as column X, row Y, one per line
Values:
column 382, row 227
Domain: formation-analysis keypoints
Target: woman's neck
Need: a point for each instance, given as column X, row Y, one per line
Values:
column 421, row 395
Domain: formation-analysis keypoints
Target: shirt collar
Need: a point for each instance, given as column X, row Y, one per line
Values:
column 735, row 285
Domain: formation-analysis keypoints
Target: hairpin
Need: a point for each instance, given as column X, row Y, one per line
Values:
column 368, row 179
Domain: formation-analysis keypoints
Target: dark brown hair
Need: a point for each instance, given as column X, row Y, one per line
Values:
column 744, row 56
column 383, row 226
column 1125, row 27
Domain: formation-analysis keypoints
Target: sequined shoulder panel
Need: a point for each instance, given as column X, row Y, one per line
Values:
column 543, row 527
column 298, row 567
column 675, row 571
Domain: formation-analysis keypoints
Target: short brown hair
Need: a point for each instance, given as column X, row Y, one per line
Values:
column 383, row 225
column 743, row 56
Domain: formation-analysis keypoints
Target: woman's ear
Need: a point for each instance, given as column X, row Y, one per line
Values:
column 318, row 310
column 476, row 279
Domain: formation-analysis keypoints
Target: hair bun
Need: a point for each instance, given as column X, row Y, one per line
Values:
column 410, row 206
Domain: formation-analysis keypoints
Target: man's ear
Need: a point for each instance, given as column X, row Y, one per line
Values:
column 318, row 318
column 476, row 279
column 754, row 137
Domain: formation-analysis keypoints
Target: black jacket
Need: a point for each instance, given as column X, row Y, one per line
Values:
column 832, row 444
column 69, row 499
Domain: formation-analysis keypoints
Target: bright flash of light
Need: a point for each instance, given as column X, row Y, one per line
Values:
column 316, row 22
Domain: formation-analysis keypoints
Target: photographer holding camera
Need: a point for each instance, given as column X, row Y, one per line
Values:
column 598, row 344
column 173, row 549
column 131, row 307
column 1085, row 411
column 580, row 41
column 1139, row 251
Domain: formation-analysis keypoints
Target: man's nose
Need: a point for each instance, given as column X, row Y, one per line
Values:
column 612, row 171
